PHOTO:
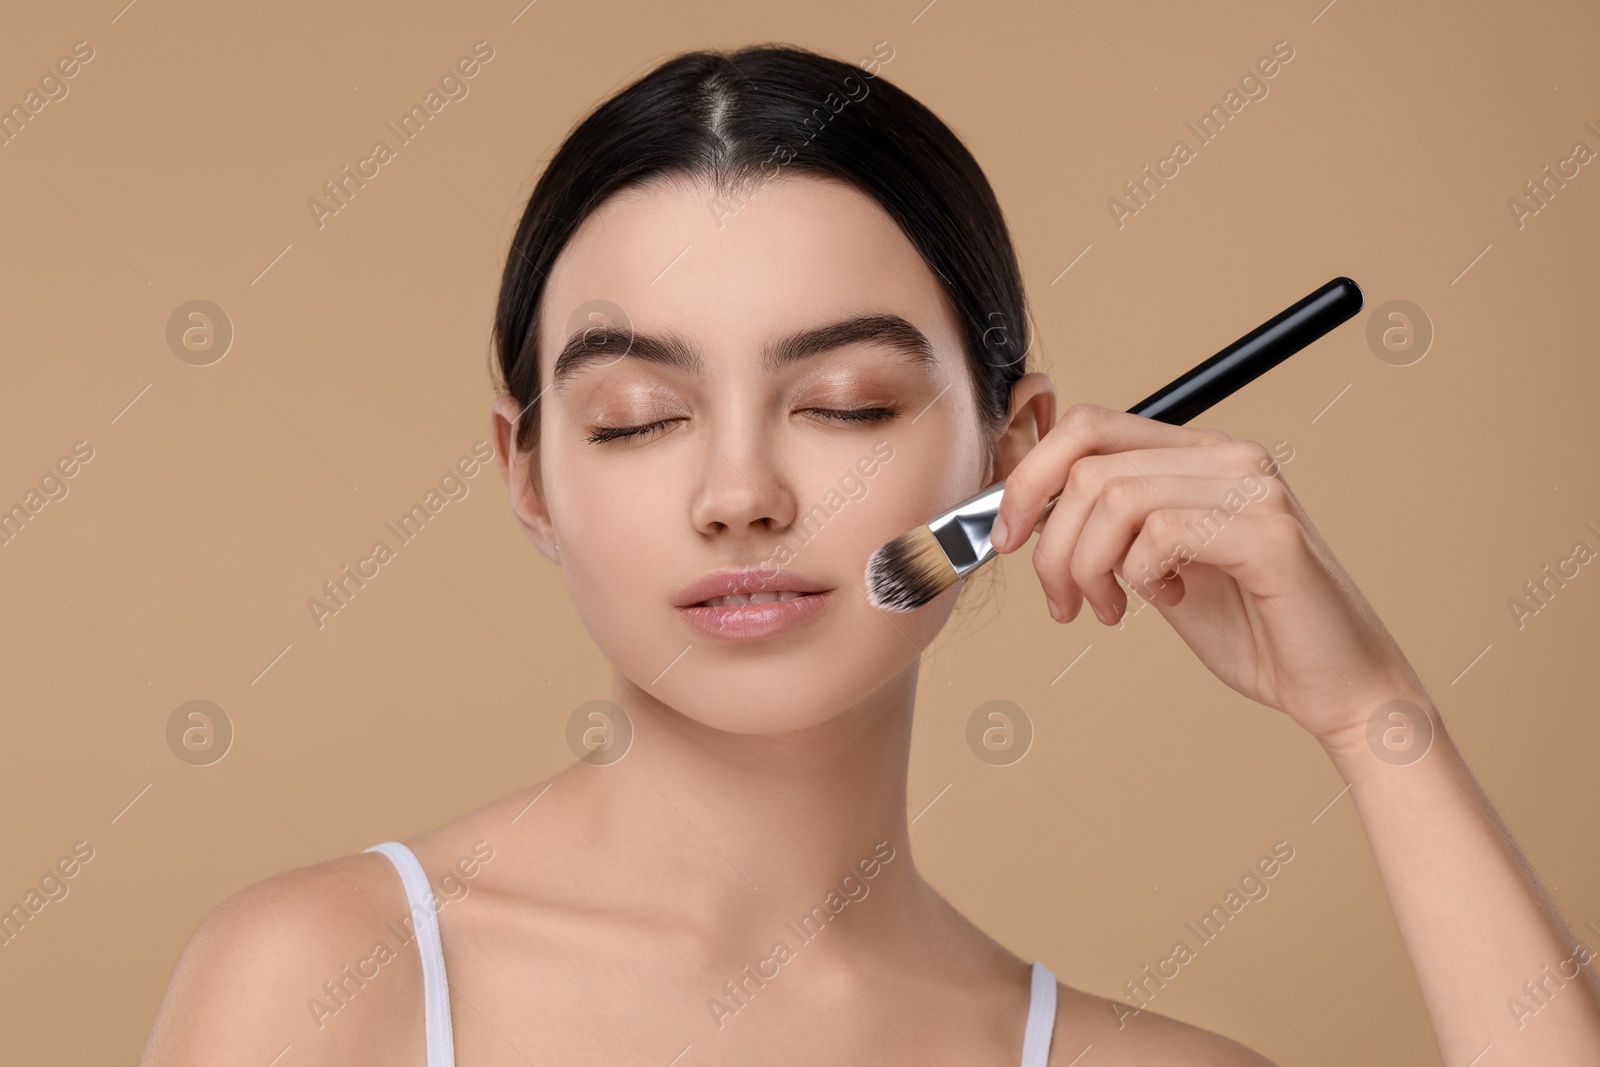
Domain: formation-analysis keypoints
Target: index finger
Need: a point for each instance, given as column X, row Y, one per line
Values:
column 1084, row 430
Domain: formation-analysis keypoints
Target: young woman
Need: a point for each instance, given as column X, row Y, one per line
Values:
column 743, row 283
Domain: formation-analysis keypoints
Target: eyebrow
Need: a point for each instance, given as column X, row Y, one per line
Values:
column 590, row 346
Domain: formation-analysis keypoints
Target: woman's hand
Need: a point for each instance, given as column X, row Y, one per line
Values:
column 1206, row 528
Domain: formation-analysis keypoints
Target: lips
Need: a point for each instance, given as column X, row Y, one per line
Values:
column 741, row 599
column 747, row 584
column 748, row 603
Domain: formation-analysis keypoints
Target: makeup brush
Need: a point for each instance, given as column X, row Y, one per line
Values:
column 916, row 567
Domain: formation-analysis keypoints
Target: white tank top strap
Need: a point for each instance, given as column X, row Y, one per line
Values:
column 425, row 920
column 436, row 990
column 1041, row 1018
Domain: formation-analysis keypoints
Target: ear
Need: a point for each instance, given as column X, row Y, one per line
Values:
column 1033, row 413
column 520, row 471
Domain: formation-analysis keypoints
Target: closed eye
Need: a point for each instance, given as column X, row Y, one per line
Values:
column 615, row 433
column 857, row 414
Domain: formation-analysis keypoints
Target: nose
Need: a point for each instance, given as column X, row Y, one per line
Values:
column 742, row 488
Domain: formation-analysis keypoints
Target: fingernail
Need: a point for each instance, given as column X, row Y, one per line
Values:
column 1055, row 612
column 997, row 535
column 1097, row 613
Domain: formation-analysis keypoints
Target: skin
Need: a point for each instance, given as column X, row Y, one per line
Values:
column 619, row 898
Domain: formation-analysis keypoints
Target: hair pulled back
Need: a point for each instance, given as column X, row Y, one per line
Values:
column 765, row 111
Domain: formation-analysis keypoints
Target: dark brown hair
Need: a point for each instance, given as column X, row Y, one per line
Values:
column 759, row 112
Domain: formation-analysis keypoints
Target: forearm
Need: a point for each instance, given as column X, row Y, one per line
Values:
column 1475, row 921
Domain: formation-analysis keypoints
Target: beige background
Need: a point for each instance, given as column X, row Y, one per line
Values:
column 179, row 565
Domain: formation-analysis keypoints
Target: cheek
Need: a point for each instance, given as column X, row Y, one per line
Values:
column 937, row 463
column 614, row 554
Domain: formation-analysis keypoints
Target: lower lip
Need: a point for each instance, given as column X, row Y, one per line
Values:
column 744, row 621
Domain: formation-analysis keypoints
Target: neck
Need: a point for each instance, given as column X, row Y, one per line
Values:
column 735, row 827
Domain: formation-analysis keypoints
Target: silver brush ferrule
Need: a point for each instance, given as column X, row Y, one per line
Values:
column 963, row 531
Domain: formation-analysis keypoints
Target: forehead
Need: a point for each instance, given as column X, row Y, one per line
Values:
column 729, row 273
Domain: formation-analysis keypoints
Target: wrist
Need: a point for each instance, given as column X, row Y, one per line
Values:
column 1392, row 728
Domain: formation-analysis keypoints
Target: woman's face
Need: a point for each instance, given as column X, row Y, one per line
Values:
column 697, row 332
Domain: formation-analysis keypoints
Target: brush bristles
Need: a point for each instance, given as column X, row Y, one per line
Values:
column 909, row 571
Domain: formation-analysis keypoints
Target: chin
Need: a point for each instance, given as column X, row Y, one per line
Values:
column 789, row 682
column 770, row 706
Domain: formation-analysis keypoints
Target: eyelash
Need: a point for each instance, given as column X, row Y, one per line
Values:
column 614, row 433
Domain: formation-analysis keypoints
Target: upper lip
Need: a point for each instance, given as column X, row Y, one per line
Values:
column 745, row 580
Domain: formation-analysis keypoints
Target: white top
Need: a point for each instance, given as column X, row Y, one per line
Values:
column 436, row 990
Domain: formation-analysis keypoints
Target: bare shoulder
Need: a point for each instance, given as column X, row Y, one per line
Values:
column 320, row 959
column 1121, row 1035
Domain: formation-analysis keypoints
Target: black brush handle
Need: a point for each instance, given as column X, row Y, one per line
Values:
column 1252, row 355
column 1248, row 358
